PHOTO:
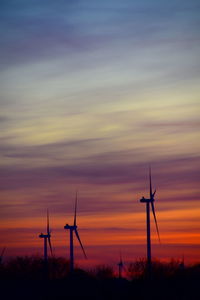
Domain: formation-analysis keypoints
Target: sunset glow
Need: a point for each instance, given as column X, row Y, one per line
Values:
column 92, row 93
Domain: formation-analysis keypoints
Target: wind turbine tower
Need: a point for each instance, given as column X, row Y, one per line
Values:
column 73, row 229
column 47, row 239
column 150, row 203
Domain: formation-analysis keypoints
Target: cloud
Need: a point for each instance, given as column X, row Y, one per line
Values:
column 35, row 31
column 105, row 169
column 49, row 149
column 93, row 92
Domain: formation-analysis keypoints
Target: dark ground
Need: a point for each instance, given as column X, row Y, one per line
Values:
column 24, row 280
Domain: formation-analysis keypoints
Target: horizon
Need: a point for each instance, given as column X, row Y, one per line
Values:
column 92, row 93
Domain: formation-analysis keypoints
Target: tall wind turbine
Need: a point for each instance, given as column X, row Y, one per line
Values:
column 47, row 238
column 73, row 229
column 150, row 202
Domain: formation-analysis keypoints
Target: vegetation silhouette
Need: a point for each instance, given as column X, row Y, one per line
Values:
column 23, row 278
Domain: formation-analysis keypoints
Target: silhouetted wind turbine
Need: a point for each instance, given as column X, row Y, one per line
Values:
column 120, row 266
column 149, row 202
column 182, row 263
column 47, row 237
column 2, row 253
column 73, row 228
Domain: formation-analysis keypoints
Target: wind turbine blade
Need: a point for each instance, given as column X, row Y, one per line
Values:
column 48, row 230
column 77, row 235
column 154, row 214
column 2, row 252
column 150, row 185
column 120, row 257
column 75, row 209
column 50, row 246
column 122, row 263
column 48, row 233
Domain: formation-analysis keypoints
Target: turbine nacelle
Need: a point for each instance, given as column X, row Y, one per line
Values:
column 44, row 235
column 71, row 227
column 120, row 264
column 144, row 200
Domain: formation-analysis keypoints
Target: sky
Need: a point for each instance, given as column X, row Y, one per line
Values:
column 91, row 94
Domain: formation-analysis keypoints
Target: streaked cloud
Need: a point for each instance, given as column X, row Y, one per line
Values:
column 91, row 94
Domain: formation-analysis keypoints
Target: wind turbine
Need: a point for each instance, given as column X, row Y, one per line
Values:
column 73, row 229
column 120, row 266
column 47, row 238
column 150, row 202
column 2, row 253
column 182, row 263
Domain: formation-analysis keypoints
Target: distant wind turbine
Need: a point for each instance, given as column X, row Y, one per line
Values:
column 2, row 254
column 149, row 202
column 120, row 266
column 73, row 228
column 182, row 263
column 47, row 238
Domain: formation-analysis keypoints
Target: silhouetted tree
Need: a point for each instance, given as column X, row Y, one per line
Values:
column 103, row 272
column 22, row 278
column 58, row 267
column 137, row 269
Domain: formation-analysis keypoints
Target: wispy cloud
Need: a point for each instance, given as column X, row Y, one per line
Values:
column 92, row 92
